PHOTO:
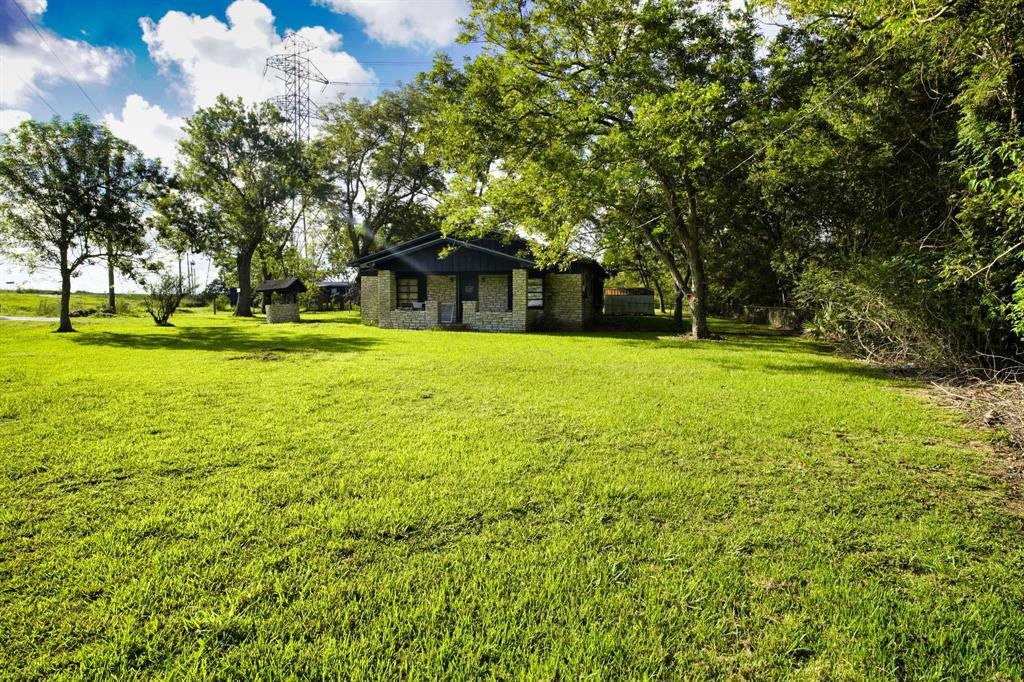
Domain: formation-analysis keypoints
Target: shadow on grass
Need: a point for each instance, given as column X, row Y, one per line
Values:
column 331, row 320
column 224, row 339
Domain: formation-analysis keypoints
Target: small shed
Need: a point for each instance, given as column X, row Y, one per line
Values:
column 286, row 307
column 628, row 301
column 336, row 293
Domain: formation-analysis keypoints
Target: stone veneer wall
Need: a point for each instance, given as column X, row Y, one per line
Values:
column 368, row 302
column 391, row 317
column 477, row 315
column 563, row 301
column 441, row 288
column 494, row 293
column 282, row 312
column 490, row 313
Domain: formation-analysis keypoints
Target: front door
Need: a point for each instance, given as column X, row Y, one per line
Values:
column 469, row 290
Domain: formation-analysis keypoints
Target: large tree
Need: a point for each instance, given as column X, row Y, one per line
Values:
column 568, row 93
column 241, row 170
column 381, row 186
column 71, row 193
column 893, row 155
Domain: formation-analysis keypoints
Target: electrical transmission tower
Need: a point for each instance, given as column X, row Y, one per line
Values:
column 297, row 71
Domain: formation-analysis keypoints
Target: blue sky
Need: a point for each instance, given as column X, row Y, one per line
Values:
column 147, row 64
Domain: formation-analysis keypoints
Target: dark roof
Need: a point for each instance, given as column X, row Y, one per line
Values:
column 287, row 284
column 493, row 245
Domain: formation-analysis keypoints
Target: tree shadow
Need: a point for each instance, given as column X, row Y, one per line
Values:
column 224, row 339
column 332, row 320
column 743, row 347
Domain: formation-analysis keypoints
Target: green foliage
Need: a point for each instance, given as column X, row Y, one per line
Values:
column 240, row 170
column 476, row 506
column 380, row 185
column 583, row 120
column 163, row 296
column 878, row 312
column 915, row 152
column 70, row 194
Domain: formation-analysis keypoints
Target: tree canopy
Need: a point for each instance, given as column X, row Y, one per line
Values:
column 72, row 193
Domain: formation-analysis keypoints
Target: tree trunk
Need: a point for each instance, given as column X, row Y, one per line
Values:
column 266, row 275
column 111, row 297
column 695, row 260
column 680, row 281
column 698, row 303
column 661, row 295
column 677, row 309
column 243, row 308
column 65, row 294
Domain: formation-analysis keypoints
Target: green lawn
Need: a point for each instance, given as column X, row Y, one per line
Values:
column 227, row 499
column 48, row 304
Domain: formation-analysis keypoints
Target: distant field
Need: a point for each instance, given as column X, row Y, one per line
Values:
column 48, row 304
column 225, row 499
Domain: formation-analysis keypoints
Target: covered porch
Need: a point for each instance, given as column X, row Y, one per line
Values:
column 484, row 301
column 485, row 284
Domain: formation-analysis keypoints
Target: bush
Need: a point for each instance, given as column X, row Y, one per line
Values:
column 221, row 302
column 48, row 307
column 163, row 297
column 878, row 312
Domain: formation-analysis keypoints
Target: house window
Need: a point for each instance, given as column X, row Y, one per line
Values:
column 408, row 292
column 535, row 292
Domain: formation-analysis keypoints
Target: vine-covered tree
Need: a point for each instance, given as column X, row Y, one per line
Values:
column 71, row 193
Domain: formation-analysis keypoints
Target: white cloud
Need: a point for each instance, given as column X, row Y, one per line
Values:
column 148, row 127
column 214, row 57
column 12, row 117
column 33, row 7
column 26, row 64
column 406, row 22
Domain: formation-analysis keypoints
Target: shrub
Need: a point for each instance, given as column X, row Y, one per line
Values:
column 163, row 296
column 48, row 307
column 221, row 302
column 878, row 312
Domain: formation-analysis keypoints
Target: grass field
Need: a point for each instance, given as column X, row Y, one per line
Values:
column 48, row 304
column 225, row 499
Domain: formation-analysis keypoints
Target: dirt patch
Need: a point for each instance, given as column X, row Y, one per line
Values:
column 261, row 356
column 273, row 354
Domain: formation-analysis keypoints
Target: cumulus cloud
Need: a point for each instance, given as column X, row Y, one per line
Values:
column 430, row 24
column 26, row 64
column 148, row 127
column 12, row 117
column 211, row 56
column 33, row 7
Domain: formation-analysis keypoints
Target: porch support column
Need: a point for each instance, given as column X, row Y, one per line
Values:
column 519, row 277
column 387, row 291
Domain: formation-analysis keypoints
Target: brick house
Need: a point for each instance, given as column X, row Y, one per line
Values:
column 487, row 284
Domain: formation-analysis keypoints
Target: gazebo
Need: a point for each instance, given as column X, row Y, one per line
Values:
column 286, row 308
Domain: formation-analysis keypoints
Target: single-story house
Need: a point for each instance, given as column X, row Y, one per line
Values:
column 490, row 283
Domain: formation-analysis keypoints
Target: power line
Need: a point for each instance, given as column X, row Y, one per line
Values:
column 39, row 96
column 54, row 53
